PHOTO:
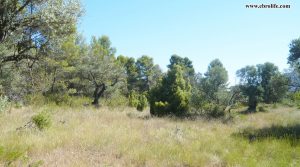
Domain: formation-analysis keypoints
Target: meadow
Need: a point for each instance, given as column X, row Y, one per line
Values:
column 86, row 136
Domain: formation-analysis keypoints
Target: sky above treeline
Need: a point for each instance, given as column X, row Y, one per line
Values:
column 200, row 30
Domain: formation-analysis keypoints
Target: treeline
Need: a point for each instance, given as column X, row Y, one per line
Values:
column 42, row 56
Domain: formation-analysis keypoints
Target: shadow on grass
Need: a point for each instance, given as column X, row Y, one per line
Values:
column 290, row 133
column 259, row 110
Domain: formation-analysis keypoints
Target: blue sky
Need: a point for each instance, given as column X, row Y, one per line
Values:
column 201, row 30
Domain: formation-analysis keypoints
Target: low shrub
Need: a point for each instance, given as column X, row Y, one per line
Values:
column 59, row 99
column 214, row 110
column 42, row 120
column 142, row 103
column 159, row 108
column 139, row 101
column 12, row 155
column 133, row 99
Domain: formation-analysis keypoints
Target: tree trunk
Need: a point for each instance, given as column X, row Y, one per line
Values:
column 99, row 90
column 252, row 103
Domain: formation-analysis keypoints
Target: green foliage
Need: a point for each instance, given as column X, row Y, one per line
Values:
column 172, row 95
column 42, row 120
column 101, row 69
column 215, row 81
column 133, row 99
column 44, row 32
column 296, row 96
column 160, row 108
column 12, row 154
column 143, row 102
column 197, row 99
column 250, row 85
column 210, row 95
column 4, row 103
column 263, row 83
column 294, row 56
column 131, row 70
column 274, row 84
column 293, row 99
column 59, row 99
column 262, row 108
column 138, row 100
column 185, row 63
column 115, row 99
column 279, row 87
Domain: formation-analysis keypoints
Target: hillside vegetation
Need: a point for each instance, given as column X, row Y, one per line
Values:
column 67, row 101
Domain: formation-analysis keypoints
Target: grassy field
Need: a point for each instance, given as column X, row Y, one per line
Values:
column 124, row 137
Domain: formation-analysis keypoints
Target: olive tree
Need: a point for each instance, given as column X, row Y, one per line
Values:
column 100, row 68
column 250, row 85
column 30, row 28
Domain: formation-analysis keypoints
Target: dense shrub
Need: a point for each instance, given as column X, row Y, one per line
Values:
column 142, row 102
column 214, row 110
column 296, row 96
column 160, row 108
column 139, row 101
column 296, row 99
column 60, row 99
column 42, row 120
column 133, row 99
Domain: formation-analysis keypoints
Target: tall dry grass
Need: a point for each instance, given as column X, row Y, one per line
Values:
column 124, row 137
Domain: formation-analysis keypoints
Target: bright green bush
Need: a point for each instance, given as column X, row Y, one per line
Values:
column 160, row 108
column 133, row 99
column 296, row 96
column 42, row 120
column 139, row 101
column 142, row 103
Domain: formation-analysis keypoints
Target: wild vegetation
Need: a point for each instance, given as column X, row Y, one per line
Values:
column 68, row 102
column 124, row 137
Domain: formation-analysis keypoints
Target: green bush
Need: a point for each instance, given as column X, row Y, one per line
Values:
column 42, row 120
column 114, row 99
column 296, row 98
column 133, row 99
column 142, row 103
column 4, row 103
column 60, row 99
column 13, row 154
column 262, row 108
column 214, row 110
column 160, row 108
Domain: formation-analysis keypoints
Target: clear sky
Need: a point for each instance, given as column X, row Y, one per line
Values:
column 201, row 30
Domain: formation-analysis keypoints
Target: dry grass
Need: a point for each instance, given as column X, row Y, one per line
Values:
column 123, row 137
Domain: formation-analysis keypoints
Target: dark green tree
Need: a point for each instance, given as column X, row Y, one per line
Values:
column 215, row 81
column 185, row 63
column 131, row 72
column 148, row 73
column 279, row 87
column 294, row 56
column 172, row 95
column 250, row 86
column 272, row 81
